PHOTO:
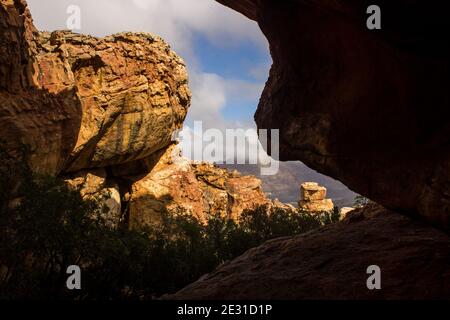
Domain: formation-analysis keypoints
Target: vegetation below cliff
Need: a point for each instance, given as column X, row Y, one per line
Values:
column 52, row 227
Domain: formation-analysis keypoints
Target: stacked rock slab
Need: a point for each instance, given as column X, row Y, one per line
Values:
column 344, row 212
column 313, row 198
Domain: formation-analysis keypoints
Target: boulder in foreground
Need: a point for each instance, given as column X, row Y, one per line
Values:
column 331, row 263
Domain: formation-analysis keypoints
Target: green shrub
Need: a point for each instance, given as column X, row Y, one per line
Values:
column 360, row 202
column 53, row 227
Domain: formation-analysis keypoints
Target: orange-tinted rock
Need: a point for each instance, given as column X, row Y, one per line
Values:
column 31, row 118
column 100, row 113
column 313, row 198
column 202, row 190
column 344, row 212
column 132, row 88
column 79, row 102
column 311, row 191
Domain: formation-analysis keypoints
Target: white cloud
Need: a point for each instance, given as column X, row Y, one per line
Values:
column 178, row 22
column 231, row 146
column 244, row 90
column 174, row 20
column 259, row 72
column 208, row 98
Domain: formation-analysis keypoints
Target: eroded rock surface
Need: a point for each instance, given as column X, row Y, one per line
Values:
column 132, row 88
column 81, row 102
column 313, row 198
column 101, row 113
column 201, row 190
column 370, row 108
column 331, row 263
column 30, row 116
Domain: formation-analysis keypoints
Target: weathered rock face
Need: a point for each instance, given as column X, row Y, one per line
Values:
column 132, row 88
column 284, row 184
column 201, row 190
column 81, row 102
column 344, row 212
column 95, row 185
column 331, row 263
column 370, row 108
column 313, row 198
column 101, row 113
column 45, row 123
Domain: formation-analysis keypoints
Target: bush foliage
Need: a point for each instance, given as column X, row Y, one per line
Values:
column 53, row 227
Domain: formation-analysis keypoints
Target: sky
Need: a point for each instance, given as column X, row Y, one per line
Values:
column 227, row 55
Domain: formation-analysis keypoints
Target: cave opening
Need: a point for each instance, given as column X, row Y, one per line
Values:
column 228, row 62
column 103, row 164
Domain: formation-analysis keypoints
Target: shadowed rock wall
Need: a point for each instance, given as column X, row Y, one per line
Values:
column 369, row 108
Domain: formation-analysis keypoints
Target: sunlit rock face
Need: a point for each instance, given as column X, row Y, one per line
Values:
column 176, row 185
column 132, row 89
column 100, row 113
column 47, row 124
column 81, row 107
column 368, row 107
column 313, row 198
column 81, row 102
column 84, row 108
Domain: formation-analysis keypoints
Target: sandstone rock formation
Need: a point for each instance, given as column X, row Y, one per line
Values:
column 344, row 212
column 284, row 184
column 313, row 198
column 133, row 92
column 101, row 113
column 370, row 108
column 331, row 263
column 201, row 190
column 80, row 102
column 29, row 115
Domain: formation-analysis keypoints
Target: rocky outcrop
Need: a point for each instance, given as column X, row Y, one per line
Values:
column 368, row 107
column 344, row 212
column 79, row 102
column 47, row 124
column 202, row 190
column 313, row 198
column 284, row 184
column 85, row 108
column 332, row 263
column 101, row 113
column 132, row 89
